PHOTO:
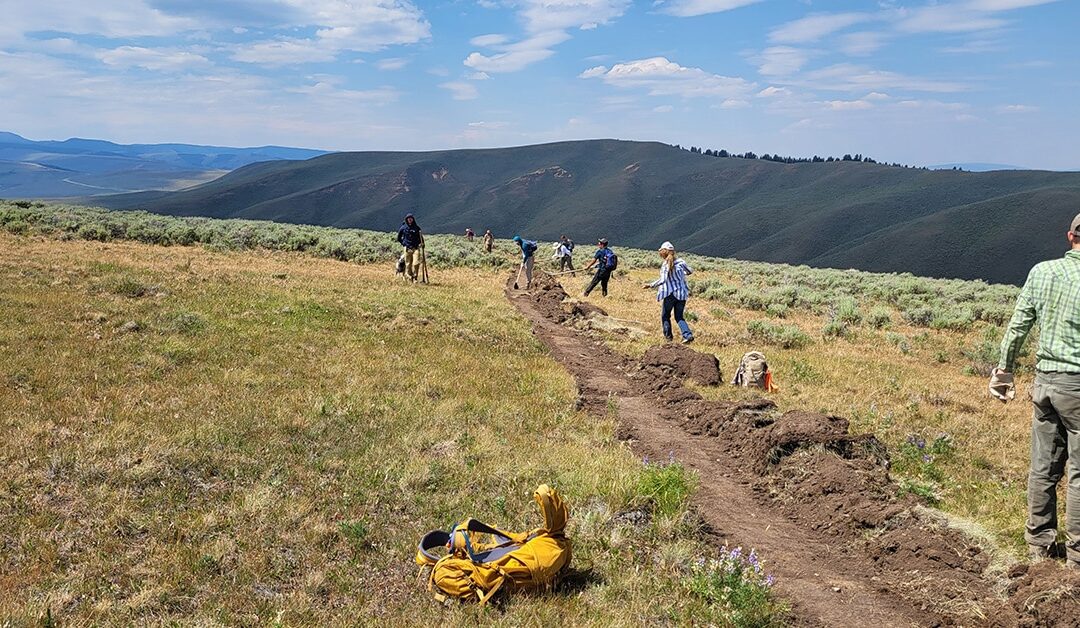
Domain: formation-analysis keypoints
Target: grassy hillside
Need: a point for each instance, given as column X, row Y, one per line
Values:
column 201, row 437
column 839, row 214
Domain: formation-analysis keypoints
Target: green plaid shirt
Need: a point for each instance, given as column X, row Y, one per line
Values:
column 1051, row 295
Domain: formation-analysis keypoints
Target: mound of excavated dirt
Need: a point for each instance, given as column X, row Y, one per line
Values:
column 682, row 362
column 1047, row 595
column 805, row 469
column 551, row 299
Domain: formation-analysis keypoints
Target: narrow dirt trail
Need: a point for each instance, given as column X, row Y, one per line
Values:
column 814, row 537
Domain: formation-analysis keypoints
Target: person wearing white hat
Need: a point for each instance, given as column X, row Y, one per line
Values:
column 672, row 292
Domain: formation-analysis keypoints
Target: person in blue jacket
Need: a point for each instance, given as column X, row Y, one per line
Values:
column 410, row 237
column 604, row 259
column 672, row 290
column 528, row 251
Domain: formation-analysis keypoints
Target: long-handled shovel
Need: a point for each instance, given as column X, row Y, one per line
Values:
column 565, row 272
column 423, row 264
column 520, row 268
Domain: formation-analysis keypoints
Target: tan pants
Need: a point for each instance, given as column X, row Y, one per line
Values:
column 1055, row 453
column 412, row 263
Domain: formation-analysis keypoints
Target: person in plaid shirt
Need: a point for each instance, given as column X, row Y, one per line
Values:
column 1051, row 296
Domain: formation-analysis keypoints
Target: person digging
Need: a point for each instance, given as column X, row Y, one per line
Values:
column 605, row 261
column 1051, row 297
column 412, row 239
column 528, row 251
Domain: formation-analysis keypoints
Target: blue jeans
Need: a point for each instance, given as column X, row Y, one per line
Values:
column 670, row 304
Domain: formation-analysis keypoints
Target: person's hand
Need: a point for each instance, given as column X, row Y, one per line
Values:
column 646, row 286
column 1001, row 386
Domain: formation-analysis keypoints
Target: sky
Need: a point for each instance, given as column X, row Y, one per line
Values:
column 921, row 82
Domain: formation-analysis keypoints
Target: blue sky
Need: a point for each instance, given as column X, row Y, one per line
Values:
column 920, row 82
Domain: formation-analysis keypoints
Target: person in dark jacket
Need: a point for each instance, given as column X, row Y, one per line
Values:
column 528, row 251
column 603, row 271
column 410, row 237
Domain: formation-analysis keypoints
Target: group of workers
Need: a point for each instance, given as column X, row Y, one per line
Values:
column 1050, row 297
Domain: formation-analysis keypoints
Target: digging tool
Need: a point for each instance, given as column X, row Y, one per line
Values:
column 423, row 264
column 565, row 272
column 520, row 268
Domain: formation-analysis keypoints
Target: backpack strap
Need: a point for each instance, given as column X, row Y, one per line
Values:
column 505, row 542
column 431, row 540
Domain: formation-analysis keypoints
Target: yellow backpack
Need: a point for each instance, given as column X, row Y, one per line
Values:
column 475, row 568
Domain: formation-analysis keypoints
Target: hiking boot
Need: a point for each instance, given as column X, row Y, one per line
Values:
column 1039, row 553
column 669, row 339
column 688, row 339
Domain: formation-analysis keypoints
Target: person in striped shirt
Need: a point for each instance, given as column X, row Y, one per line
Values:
column 672, row 291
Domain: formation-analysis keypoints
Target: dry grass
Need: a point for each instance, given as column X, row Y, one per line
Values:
column 209, row 438
column 926, row 391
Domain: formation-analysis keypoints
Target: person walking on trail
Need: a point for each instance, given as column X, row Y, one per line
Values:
column 528, row 249
column 489, row 241
column 562, row 255
column 410, row 237
column 569, row 257
column 672, row 292
column 469, row 234
column 1051, row 297
column 605, row 261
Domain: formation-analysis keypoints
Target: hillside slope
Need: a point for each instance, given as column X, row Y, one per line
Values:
column 842, row 214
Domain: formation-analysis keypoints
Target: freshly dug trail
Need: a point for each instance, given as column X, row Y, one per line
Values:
column 815, row 501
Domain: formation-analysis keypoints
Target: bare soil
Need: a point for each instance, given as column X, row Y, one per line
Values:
column 816, row 502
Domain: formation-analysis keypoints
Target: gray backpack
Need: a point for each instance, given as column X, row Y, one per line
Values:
column 752, row 371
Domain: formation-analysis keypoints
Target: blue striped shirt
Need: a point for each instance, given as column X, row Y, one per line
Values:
column 673, row 283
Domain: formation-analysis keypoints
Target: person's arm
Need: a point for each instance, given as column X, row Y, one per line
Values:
column 1019, row 326
column 686, row 269
column 661, row 279
column 401, row 235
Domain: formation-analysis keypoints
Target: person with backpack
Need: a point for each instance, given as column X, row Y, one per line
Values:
column 672, row 291
column 528, row 250
column 567, row 258
column 412, row 239
column 562, row 254
column 606, row 261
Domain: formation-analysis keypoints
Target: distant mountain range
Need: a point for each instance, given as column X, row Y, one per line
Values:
column 942, row 223
column 81, row 167
column 976, row 167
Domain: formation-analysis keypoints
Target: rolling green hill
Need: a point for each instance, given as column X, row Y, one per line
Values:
column 991, row 225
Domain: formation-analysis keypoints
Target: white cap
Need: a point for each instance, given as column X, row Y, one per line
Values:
column 667, row 246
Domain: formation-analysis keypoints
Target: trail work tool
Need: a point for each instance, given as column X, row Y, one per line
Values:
column 482, row 559
column 423, row 264
column 516, row 279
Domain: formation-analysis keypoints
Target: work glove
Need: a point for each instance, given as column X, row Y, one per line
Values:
column 1001, row 385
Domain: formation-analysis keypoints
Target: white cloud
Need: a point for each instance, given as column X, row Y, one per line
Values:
column 773, row 92
column 340, row 25
column 517, row 56
column 328, row 89
column 860, row 44
column 1005, row 5
column 661, row 77
column 478, row 76
column 151, row 59
column 489, row 40
column 460, row 90
column 781, row 60
column 813, row 27
column 975, row 46
column 487, row 125
column 1017, row 109
column 664, row 109
column 548, row 15
column 849, row 77
column 847, row 105
column 947, row 18
column 692, row 8
column 876, row 96
column 546, row 23
column 284, row 52
column 734, row 103
column 392, row 63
